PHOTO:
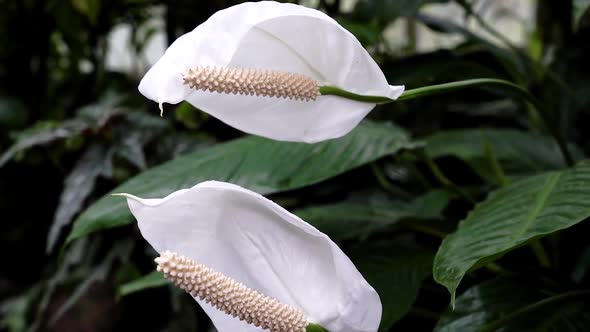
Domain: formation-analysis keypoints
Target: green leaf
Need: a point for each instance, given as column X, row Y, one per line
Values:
column 521, row 304
column 509, row 217
column 353, row 218
column 133, row 134
column 78, row 185
column 518, row 152
column 580, row 8
column 152, row 280
column 396, row 272
column 262, row 165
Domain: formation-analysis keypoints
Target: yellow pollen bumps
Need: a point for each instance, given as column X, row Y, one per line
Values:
column 252, row 82
column 230, row 296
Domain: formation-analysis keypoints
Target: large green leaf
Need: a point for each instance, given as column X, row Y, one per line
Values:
column 358, row 218
column 518, row 152
column 259, row 164
column 509, row 217
column 521, row 304
column 396, row 272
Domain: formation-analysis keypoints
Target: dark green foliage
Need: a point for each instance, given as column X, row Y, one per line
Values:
column 259, row 164
column 396, row 272
column 467, row 191
column 523, row 303
column 530, row 208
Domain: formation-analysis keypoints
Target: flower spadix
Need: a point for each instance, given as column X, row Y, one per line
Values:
column 252, row 265
column 230, row 296
column 259, row 67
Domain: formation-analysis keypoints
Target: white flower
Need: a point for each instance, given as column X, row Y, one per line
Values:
column 257, row 243
column 285, row 39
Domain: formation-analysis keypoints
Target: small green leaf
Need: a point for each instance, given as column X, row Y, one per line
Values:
column 152, row 280
column 580, row 8
column 259, row 164
column 396, row 272
column 509, row 217
column 89, row 8
column 77, row 186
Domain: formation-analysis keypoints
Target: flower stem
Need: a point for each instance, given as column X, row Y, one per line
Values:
column 327, row 90
column 432, row 90
column 384, row 183
column 540, row 253
column 424, row 229
column 315, row 328
column 495, row 165
column 443, row 179
column 509, row 87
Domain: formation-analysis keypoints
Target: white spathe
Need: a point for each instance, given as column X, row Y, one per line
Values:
column 276, row 36
column 258, row 243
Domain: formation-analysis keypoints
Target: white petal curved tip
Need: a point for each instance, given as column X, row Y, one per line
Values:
column 129, row 196
column 396, row 91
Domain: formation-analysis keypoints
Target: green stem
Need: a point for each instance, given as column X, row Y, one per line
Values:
column 425, row 313
column 384, row 183
column 540, row 253
column 311, row 327
column 327, row 90
column 532, row 307
column 443, row 180
column 484, row 24
column 508, row 87
column 496, row 268
column 432, row 90
column 424, row 229
column 412, row 36
column 495, row 164
column 436, row 89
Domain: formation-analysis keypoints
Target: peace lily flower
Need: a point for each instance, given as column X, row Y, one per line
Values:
column 252, row 265
column 266, row 68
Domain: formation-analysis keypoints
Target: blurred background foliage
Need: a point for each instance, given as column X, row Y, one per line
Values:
column 74, row 127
